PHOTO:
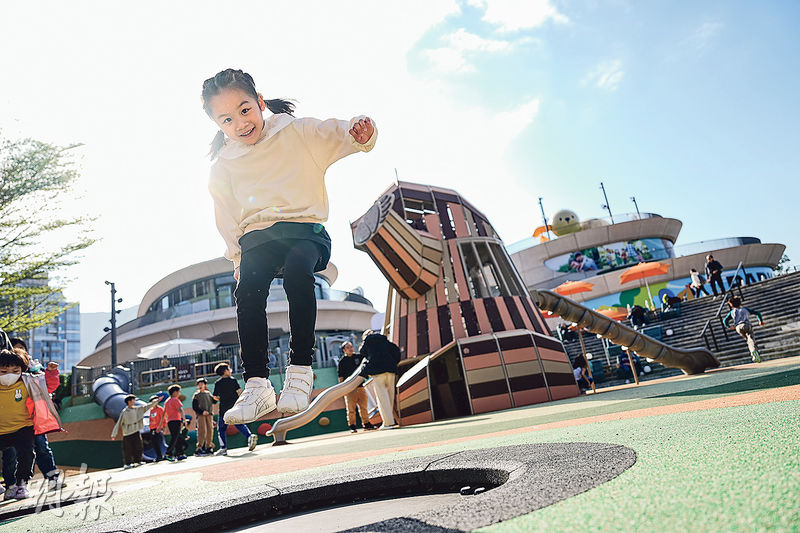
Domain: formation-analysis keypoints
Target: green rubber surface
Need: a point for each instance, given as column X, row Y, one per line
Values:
column 717, row 469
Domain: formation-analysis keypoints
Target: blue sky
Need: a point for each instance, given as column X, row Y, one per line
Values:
column 691, row 107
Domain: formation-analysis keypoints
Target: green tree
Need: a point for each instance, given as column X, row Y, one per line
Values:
column 37, row 240
column 783, row 265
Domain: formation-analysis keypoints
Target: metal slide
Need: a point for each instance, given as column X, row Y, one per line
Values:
column 320, row 403
column 693, row 361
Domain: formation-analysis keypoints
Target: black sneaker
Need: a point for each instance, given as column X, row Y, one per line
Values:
column 353, row 429
column 369, row 426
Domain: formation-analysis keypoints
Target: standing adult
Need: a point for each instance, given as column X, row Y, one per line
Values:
column 382, row 357
column 714, row 274
column 358, row 398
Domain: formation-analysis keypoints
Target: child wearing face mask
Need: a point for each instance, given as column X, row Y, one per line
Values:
column 26, row 410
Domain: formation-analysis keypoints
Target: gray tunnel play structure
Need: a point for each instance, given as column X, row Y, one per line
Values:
column 109, row 391
column 692, row 361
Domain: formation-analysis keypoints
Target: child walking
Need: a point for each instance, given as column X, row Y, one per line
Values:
column 131, row 422
column 270, row 201
column 158, row 423
column 739, row 319
column 202, row 403
column 226, row 392
column 173, row 410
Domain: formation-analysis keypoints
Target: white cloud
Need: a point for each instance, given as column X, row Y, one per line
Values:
column 515, row 15
column 453, row 58
column 606, row 75
column 703, row 36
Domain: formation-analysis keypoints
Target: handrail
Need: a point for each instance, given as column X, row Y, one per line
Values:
column 725, row 297
column 329, row 395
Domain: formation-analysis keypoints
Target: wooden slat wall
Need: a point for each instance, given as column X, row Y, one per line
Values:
column 413, row 398
column 485, row 377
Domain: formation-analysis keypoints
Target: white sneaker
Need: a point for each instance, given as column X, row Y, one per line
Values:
column 252, row 442
column 127, row 467
column 11, row 492
column 221, row 451
column 393, row 426
column 257, row 399
column 21, row 493
column 296, row 393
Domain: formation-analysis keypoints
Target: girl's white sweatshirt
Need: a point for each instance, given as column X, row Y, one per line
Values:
column 279, row 178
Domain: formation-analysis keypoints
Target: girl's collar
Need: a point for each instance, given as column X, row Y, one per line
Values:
column 275, row 123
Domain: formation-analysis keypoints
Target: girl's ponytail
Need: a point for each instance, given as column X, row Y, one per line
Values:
column 278, row 105
column 217, row 144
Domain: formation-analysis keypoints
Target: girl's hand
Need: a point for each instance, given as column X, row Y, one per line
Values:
column 362, row 130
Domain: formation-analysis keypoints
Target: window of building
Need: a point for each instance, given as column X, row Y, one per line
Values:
column 507, row 270
column 489, row 270
column 416, row 210
column 472, row 267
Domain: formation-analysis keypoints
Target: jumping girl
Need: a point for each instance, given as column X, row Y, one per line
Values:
column 268, row 185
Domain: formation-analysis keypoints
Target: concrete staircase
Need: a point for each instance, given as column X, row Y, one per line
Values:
column 777, row 299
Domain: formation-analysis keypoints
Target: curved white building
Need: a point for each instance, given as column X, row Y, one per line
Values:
column 610, row 249
column 196, row 302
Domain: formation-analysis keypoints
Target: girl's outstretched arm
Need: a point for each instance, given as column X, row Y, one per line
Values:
column 332, row 139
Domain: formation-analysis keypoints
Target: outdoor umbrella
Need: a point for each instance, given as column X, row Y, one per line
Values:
column 573, row 287
column 644, row 271
column 175, row 347
column 614, row 313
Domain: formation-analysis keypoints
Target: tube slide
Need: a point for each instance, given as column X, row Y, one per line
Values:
column 109, row 392
column 693, row 361
column 319, row 404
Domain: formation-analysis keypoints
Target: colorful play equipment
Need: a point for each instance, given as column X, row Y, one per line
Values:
column 472, row 337
column 458, row 308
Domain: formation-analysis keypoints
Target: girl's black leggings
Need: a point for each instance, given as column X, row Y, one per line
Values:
column 295, row 260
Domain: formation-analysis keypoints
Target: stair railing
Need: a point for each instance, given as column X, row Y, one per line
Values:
column 708, row 327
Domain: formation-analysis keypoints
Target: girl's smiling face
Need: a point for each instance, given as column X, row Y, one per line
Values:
column 238, row 114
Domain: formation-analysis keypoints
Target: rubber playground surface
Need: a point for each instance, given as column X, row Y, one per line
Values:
column 714, row 452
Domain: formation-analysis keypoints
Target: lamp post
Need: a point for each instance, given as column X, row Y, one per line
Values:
column 638, row 215
column 605, row 205
column 544, row 218
column 113, row 328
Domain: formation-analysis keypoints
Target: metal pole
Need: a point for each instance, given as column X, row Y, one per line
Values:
column 588, row 364
column 638, row 215
column 113, row 325
column 544, row 218
column 606, row 206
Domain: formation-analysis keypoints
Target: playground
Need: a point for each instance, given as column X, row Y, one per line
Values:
column 718, row 451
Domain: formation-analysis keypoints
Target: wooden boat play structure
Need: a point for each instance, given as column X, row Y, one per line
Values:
column 472, row 335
